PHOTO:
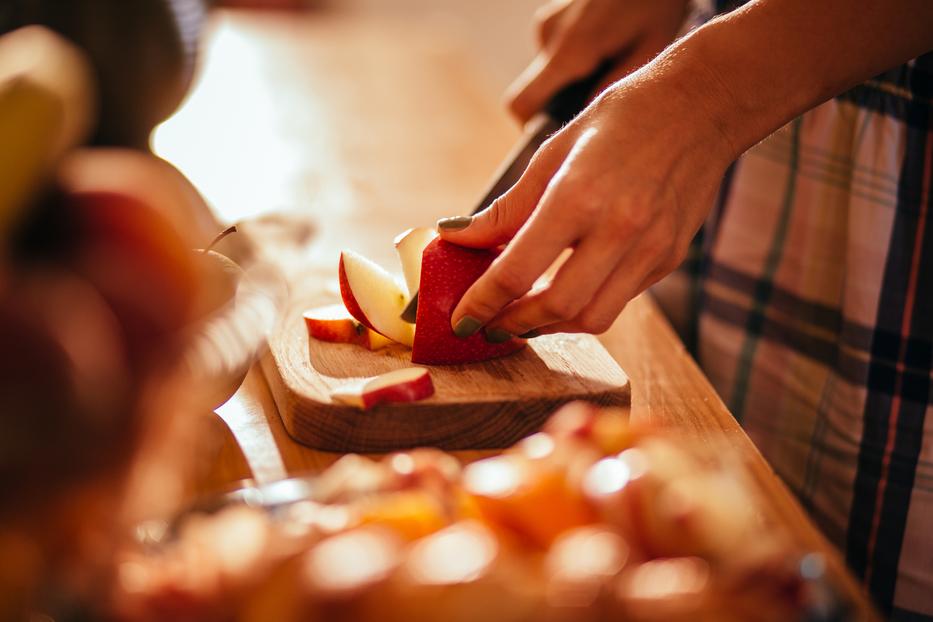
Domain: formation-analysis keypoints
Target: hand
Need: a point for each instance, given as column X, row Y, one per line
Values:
column 626, row 185
column 576, row 35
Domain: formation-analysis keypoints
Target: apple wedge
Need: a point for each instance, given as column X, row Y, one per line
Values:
column 402, row 385
column 334, row 323
column 410, row 246
column 374, row 297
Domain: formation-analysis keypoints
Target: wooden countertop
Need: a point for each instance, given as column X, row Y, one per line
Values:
column 371, row 125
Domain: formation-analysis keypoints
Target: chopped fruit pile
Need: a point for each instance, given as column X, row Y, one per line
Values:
column 592, row 519
column 416, row 314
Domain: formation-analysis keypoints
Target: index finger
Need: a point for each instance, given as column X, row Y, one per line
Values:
column 532, row 251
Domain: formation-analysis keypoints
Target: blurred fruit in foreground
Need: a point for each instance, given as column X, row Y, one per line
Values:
column 46, row 107
column 65, row 397
column 140, row 264
column 533, row 498
column 460, row 574
column 579, row 569
column 143, row 53
column 68, row 413
column 553, row 530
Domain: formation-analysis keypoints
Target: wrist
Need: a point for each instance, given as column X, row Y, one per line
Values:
column 742, row 99
column 698, row 106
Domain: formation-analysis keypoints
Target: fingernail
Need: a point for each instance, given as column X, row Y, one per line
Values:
column 455, row 223
column 497, row 335
column 467, row 326
column 530, row 334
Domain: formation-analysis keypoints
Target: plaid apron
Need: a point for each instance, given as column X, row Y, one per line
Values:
column 808, row 301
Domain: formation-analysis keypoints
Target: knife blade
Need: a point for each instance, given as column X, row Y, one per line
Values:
column 560, row 109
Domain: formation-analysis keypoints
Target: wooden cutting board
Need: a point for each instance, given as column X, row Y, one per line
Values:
column 478, row 406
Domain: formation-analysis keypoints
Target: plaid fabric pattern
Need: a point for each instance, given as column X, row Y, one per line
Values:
column 810, row 306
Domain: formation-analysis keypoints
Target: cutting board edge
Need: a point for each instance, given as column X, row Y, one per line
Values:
column 335, row 427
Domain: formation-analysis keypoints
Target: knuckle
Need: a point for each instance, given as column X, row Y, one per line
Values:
column 587, row 208
column 654, row 247
column 496, row 212
column 670, row 263
column 480, row 307
column 675, row 256
column 508, row 283
column 633, row 220
column 519, row 325
column 595, row 323
column 558, row 308
column 544, row 21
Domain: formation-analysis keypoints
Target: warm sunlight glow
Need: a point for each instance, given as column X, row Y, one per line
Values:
column 457, row 554
column 587, row 552
column 579, row 562
column 492, row 477
column 351, row 560
column 665, row 578
column 230, row 136
column 537, row 446
column 608, row 476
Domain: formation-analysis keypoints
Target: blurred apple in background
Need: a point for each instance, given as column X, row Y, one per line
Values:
column 139, row 262
column 146, row 178
column 143, row 53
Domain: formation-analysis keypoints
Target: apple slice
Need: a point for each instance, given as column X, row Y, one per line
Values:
column 374, row 297
column 410, row 246
column 447, row 271
column 334, row 323
column 402, row 385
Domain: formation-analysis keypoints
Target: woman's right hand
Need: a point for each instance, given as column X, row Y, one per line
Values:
column 625, row 185
column 575, row 36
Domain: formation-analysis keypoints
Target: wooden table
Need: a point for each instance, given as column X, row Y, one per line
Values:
column 371, row 125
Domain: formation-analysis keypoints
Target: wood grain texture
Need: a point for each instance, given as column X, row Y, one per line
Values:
column 491, row 404
column 392, row 125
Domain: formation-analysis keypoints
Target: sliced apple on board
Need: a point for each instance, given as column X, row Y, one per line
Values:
column 410, row 246
column 374, row 297
column 447, row 271
column 402, row 385
column 334, row 323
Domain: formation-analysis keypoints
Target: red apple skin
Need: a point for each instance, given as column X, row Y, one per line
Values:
column 419, row 389
column 447, row 271
column 349, row 300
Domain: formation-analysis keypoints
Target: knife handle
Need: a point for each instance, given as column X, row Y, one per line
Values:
column 570, row 100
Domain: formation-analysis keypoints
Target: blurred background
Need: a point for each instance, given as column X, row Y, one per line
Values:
column 240, row 173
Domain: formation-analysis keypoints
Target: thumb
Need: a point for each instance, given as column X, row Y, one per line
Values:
column 498, row 223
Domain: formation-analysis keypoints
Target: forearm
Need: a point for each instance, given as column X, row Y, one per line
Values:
column 755, row 69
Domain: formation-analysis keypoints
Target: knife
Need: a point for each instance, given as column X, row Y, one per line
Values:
column 561, row 109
